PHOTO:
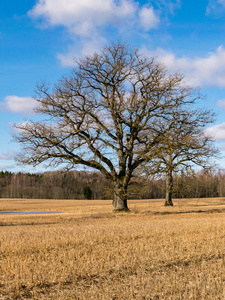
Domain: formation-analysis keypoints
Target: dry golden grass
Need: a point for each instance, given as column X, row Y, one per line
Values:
column 154, row 252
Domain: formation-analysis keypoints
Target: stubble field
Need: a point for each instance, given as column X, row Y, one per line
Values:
column 153, row 252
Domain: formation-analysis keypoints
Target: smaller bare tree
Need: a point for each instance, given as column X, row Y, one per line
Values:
column 184, row 146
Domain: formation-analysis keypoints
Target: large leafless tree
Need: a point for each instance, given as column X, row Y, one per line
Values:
column 107, row 114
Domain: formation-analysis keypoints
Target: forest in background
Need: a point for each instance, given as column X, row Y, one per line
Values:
column 92, row 185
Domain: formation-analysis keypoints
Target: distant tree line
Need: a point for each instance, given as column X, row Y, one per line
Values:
column 93, row 185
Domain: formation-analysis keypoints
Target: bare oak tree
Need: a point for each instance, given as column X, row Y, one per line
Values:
column 107, row 115
column 184, row 145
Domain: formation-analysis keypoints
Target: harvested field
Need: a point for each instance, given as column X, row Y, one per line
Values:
column 153, row 252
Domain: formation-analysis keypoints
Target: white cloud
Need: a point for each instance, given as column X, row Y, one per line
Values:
column 82, row 17
column 15, row 104
column 199, row 71
column 217, row 132
column 148, row 18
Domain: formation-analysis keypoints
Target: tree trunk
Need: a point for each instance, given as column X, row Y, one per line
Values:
column 120, row 199
column 169, row 188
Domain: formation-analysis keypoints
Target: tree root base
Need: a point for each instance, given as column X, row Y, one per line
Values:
column 126, row 210
column 168, row 204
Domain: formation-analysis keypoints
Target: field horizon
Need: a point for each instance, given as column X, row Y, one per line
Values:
column 88, row 252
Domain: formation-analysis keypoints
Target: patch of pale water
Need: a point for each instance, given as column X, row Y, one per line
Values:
column 28, row 212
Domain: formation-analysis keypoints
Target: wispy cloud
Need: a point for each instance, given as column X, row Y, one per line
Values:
column 199, row 71
column 15, row 104
column 86, row 47
column 16, row 130
column 215, row 7
column 7, row 156
column 221, row 104
column 222, row 2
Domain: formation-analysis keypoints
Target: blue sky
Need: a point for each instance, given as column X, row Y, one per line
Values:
column 39, row 40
